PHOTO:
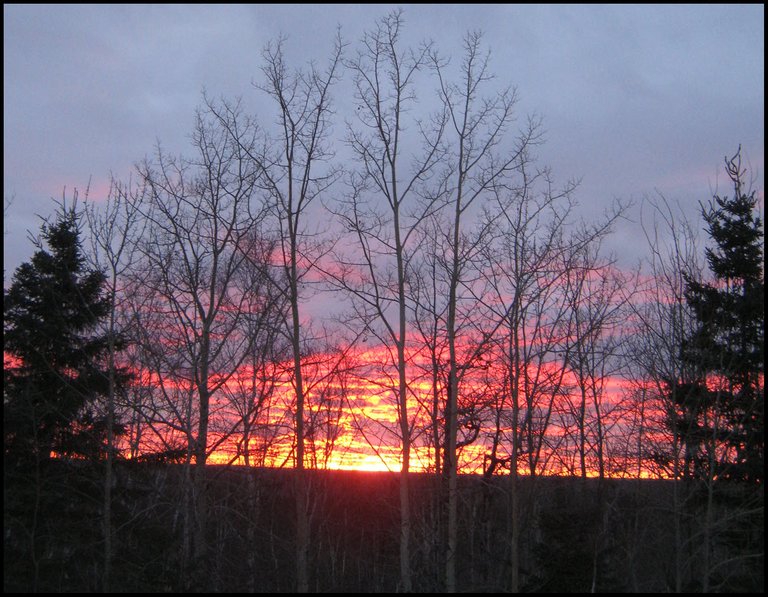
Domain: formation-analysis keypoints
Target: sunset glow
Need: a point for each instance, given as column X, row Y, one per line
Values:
column 352, row 421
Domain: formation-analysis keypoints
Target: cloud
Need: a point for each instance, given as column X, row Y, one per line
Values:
column 633, row 98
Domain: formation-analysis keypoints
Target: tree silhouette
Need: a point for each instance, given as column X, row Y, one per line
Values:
column 728, row 344
column 57, row 373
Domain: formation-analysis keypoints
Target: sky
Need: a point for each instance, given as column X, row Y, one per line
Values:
column 636, row 100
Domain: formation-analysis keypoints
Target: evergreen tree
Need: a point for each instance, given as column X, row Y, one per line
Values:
column 728, row 345
column 54, row 350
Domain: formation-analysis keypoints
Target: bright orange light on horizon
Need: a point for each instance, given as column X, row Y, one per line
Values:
column 353, row 424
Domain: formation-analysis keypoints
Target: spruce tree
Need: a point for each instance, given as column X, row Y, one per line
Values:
column 728, row 345
column 54, row 349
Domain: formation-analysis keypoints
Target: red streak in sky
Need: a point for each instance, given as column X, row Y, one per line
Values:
column 352, row 419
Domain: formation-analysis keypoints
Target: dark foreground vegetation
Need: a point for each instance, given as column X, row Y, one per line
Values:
column 576, row 535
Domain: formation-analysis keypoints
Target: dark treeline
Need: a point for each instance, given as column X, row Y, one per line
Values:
column 574, row 536
column 168, row 323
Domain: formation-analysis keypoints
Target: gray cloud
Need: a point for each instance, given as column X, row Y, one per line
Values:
column 634, row 98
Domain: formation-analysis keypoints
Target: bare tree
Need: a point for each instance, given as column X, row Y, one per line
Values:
column 596, row 295
column 251, row 400
column 115, row 227
column 523, row 271
column 429, row 314
column 328, row 369
column 481, row 159
column 382, row 212
column 663, row 322
column 251, row 392
column 202, row 214
column 7, row 203
column 292, row 177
